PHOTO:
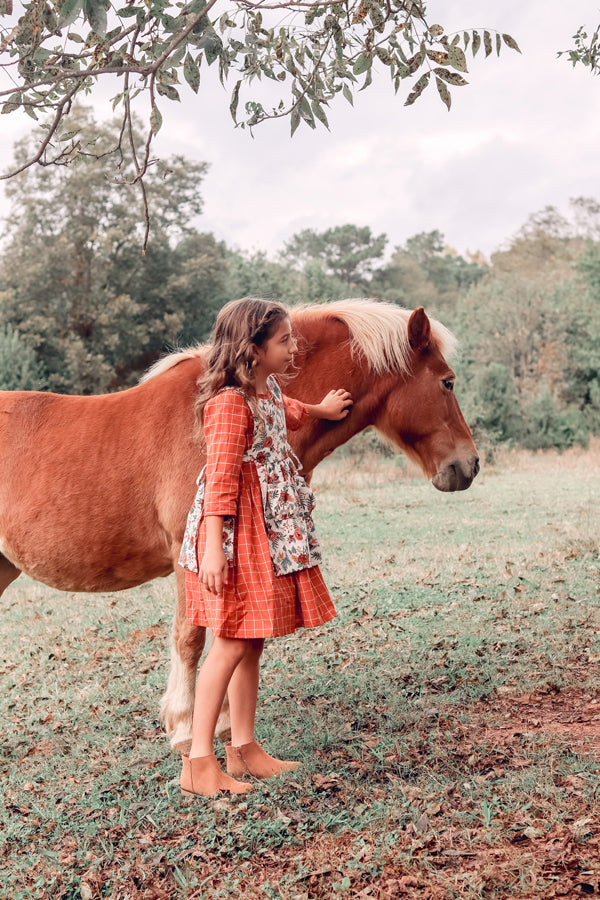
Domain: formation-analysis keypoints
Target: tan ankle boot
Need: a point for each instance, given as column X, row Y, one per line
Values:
column 251, row 759
column 203, row 775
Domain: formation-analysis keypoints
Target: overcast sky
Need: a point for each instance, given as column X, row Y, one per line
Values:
column 523, row 134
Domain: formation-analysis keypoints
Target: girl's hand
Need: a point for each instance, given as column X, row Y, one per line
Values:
column 213, row 570
column 335, row 405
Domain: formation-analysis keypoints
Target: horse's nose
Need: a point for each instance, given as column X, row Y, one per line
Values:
column 456, row 475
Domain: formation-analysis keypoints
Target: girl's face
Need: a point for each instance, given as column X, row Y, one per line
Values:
column 277, row 352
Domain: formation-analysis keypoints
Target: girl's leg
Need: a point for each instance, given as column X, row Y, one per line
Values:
column 201, row 773
column 244, row 755
column 213, row 680
column 243, row 693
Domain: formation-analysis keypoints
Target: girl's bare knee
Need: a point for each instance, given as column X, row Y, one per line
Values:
column 254, row 648
column 234, row 649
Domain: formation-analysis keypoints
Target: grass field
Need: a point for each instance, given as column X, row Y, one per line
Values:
column 448, row 720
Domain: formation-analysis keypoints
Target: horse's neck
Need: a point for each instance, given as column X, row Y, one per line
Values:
column 323, row 372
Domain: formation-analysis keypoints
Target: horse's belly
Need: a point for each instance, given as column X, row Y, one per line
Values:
column 76, row 559
column 66, row 570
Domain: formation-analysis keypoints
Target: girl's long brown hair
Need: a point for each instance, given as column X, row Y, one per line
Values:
column 241, row 325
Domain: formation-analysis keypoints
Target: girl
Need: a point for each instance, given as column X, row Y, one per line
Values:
column 251, row 531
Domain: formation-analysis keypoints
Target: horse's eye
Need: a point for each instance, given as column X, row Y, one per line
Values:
column 449, row 385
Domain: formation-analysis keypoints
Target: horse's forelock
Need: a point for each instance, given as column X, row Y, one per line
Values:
column 379, row 331
column 172, row 359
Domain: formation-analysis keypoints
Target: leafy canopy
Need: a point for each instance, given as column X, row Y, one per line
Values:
column 73, row 285
column 346, row 251
column 310, row 51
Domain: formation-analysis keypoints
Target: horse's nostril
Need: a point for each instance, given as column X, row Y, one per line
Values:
column 476, row 466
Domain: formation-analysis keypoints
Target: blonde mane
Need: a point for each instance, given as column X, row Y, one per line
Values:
column 172, row 359
column 379, row 331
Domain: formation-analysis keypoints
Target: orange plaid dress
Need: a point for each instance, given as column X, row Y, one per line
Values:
column 255, row 601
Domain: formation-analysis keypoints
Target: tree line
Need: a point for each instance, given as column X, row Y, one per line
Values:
column 83, row 311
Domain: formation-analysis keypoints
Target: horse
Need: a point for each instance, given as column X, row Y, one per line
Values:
column 95, row 490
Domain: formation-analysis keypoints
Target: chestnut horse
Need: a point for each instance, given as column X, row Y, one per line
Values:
column 94, row 491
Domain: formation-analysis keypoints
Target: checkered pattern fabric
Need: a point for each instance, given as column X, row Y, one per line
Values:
column 255, row 602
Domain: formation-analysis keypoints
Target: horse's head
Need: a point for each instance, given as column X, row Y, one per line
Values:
column 421, row 414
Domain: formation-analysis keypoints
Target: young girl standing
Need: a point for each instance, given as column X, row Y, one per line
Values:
column 250, row 550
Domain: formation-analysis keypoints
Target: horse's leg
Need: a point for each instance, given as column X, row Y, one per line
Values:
column 8, row 573
column 187, row 643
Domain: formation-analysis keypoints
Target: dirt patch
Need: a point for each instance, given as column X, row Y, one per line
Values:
column 570, row 717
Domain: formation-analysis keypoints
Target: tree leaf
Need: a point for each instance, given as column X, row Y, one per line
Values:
column 13, row 102
column 510, row 42
column 295, row 120
column 155, row 119
column 498, row 44
column 348, row 94
column 191, row 73
column 362, row 63
column 457, row 59
column 443, row 92
column 438, row 56
column 416, row 62
column 306, row 112
column 451, row 77
column 69, row 12
column 487, row 42
column 361, row 13
column 476, row 42
column 166, row 90
column 319, row 112
column 212, row 45
column 418, row 89
column 235, row 96
column 368, row 79
column 67, row 135
column 95, row 13
column 436, row 31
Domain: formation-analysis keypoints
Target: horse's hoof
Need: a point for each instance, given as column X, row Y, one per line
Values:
column 183, row 746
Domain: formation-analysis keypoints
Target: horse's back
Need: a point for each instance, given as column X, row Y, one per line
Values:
column 93, row 490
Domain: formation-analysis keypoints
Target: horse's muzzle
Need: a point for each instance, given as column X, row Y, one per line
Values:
column 457, row 475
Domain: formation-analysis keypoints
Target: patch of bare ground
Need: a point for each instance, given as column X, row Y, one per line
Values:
column 570, row 717
column 426, row 860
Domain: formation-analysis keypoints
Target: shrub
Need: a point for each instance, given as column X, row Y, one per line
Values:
column 550, row 425
column 19, row 368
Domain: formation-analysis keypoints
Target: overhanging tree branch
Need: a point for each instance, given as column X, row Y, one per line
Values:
column 311, row 51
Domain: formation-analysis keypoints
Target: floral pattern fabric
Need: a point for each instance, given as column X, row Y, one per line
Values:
column 287, row 500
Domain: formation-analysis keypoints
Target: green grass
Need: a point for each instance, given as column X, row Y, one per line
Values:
column 449, row 608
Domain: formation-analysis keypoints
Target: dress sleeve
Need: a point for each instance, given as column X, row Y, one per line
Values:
column 295, row 412
column 227, row 419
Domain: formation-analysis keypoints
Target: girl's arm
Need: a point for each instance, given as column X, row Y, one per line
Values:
column 334, row 406
column 227, row 419
column 213, row 568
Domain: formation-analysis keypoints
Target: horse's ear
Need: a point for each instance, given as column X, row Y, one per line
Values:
column 419, row 329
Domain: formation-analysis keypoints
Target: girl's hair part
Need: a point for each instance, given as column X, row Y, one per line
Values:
column 241, row 325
